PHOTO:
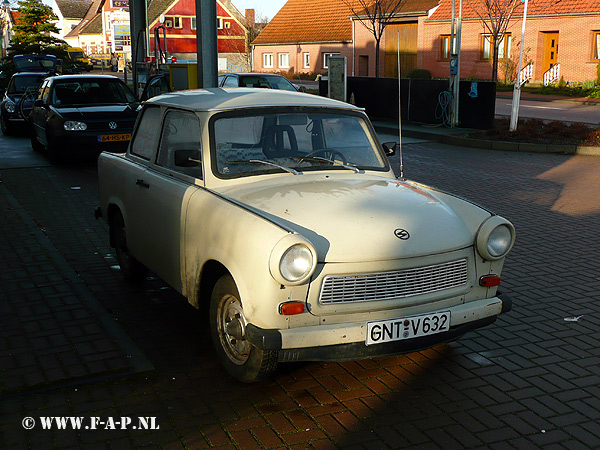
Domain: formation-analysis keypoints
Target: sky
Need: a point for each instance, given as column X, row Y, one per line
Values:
column 264, row 8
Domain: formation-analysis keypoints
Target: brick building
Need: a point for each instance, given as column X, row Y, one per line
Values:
column 564, row 34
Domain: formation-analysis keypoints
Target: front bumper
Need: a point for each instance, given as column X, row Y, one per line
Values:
column 346, row 341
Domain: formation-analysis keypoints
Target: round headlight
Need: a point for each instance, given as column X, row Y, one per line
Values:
column 499, row 241
column 72, row 125
column 296, row 263
column 495, row 238
column 9, row 106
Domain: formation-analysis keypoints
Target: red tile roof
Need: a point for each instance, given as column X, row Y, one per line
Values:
column 301, row 21
column 535, row 8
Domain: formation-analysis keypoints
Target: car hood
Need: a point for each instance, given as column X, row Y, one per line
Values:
column 95, row 111
column 365, row 218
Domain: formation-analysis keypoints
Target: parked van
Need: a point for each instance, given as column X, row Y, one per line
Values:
column 77, row 56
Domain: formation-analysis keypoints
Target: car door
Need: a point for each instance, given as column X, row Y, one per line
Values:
column 39, row 113
column 163, row 193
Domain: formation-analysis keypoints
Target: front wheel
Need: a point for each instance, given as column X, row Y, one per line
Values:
column 240, row 358
column 6, row 129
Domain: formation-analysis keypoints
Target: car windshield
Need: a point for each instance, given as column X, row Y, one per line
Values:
column 20, row 84
column 76, row 55
column 91, row 91
column 270, row 82
column 297, row 142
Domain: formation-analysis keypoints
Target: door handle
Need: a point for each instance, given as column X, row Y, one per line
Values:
column 142, row 183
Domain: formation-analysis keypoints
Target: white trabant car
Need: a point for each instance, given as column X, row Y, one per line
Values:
column 278, row 214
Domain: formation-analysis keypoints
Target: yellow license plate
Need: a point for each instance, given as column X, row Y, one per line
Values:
column 114, row 137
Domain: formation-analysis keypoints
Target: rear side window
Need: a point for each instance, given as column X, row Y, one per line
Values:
column 147, row 134
column 181, row 136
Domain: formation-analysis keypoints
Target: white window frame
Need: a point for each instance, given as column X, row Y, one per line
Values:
column 596, row 45
column 307, row 60
column 193, row 23
column 177, row 22
column 283, row 60
column 503, row 49
column 267, row 60
column 219, row 23
column 227, row 25
column 326, row 57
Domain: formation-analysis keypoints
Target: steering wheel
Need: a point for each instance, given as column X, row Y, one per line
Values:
column 328, row 153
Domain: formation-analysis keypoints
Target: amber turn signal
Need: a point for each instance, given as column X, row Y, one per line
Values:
column 489, row 281
column 291, row 308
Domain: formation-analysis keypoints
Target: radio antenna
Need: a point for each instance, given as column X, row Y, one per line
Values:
column 400, row 112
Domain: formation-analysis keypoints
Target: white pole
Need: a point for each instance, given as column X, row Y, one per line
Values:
column 514, row 114
column 457, row 78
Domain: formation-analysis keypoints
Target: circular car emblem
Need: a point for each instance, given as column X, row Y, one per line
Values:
column 401, row 234
column 112, row 125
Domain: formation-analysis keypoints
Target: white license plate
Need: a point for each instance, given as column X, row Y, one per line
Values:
column 407, row 327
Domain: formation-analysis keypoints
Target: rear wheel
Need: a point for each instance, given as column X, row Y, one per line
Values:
column 132, row 269
column 6, row 129
column 35, row 144
column 240, row 358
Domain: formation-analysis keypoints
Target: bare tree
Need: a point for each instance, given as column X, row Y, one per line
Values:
column 496, row 16
column 375, row 15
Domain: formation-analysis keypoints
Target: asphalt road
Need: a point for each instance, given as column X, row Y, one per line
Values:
column 560, row 110
column 529, row 381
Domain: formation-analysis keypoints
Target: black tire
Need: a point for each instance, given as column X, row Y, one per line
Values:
column 131, row 268
column 241, row 359
column 6, row 129
column 35, row 144
column 53, row 153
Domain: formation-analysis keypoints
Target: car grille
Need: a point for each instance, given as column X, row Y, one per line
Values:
column 393, row 285
column 123, row 126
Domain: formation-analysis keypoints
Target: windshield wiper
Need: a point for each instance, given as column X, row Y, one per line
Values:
column 319, row 158
column 268, row 163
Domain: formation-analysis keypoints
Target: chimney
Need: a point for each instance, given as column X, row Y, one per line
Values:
column 250, row 17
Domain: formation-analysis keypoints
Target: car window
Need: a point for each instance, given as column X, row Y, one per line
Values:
column 180, row 143
column 23, row 83
column 301, row 141
column 230, row 82
column 91, row 91
column 44, row 91
column 280, row 83
column 146, row 137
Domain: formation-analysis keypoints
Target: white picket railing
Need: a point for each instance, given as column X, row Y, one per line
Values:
column 552, row 75
column 526, row 74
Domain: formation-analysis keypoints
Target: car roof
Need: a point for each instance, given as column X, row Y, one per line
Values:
column 80, row 76
column 217, row 99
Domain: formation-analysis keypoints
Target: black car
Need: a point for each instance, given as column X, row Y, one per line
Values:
column 257, row 80
column 77, row 114
column 18, row 100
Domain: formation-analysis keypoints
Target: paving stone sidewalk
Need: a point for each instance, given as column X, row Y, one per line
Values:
column 52, row 328
column 529, row 381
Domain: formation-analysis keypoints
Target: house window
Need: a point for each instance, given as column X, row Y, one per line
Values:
column 219, row 23
column 596, row 45
column 227, row 25
column 326, row 57
column 169, row 23
column 193, row 23
column 307, row 60
column 446, row 47
column 284, row 60
column 503, row 49
column 177, row 22
column 268, row 60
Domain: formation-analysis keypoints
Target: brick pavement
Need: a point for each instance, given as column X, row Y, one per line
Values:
column 528, row 381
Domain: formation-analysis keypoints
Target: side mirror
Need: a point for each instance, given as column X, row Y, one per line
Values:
column 301, row 88
column 390, row 148
column 187, row 158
